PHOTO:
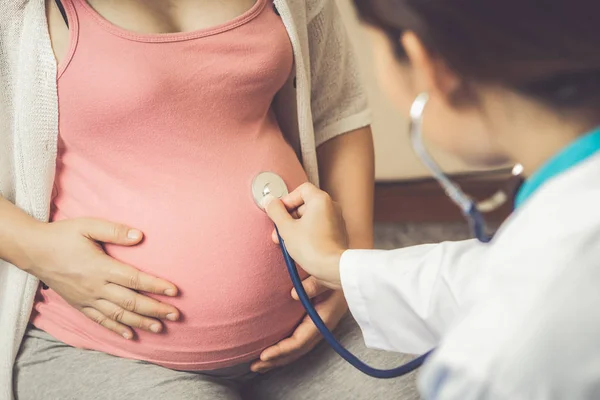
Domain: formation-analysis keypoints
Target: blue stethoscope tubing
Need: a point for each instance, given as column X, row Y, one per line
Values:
column 466, row 205
column 328, row 336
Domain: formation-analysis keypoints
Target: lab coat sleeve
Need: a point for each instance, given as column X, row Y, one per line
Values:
column 405, row 299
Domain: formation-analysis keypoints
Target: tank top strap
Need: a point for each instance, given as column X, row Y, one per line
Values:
column 80, row 12
column 70, row 15
column 67, row 9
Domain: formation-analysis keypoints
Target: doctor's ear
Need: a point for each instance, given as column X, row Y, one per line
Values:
column 431, row 74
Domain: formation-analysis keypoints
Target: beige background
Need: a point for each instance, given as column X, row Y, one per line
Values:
column 394, row 157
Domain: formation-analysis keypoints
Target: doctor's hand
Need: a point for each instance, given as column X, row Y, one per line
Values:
column 331, row 307
column 68, row 256
column 315, row 239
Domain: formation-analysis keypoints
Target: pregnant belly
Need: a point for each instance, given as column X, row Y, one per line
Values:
column 203, row 232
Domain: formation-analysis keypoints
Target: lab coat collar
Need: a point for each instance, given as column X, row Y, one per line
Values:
column 576, row 152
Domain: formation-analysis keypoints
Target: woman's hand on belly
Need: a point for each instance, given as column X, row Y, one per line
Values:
column 68, row 257
column 331, row 309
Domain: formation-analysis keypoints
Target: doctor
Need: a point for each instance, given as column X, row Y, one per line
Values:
column 495, row 81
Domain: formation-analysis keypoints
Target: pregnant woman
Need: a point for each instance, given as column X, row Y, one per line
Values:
column 126, row 132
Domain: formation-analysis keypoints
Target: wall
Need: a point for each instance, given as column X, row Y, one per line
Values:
column 394, row 157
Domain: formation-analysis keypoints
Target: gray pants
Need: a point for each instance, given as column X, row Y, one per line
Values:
column 47, row 369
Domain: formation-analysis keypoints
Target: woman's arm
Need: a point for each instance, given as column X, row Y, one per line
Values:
column 67, row 256
column 15, row 229
column 341, row 121
column 339, row 103
column 346, row 169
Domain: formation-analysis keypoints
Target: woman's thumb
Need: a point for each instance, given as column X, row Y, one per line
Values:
column 110, row 232
column 312, row 287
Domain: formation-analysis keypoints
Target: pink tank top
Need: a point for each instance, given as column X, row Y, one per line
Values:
column 165, row 133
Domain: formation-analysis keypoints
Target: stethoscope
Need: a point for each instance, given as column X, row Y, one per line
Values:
column 269, row 183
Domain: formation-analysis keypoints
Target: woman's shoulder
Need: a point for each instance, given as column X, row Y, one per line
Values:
column 17, row 18
column 13, row 14
column 11, row 10
column 309, row 8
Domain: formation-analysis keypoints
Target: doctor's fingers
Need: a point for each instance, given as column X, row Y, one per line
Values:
column 303, row 194
column 299, row 212
column 278, row 212
column 296, row 214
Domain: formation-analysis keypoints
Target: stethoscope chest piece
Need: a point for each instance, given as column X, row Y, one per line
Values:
column 268, row 183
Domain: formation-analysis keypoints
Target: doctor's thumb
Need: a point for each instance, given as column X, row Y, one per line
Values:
column 276, row 210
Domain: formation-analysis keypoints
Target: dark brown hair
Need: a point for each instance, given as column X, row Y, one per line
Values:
column 546, row 49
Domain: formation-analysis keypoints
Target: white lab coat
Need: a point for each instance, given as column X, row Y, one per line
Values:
column 515, row 319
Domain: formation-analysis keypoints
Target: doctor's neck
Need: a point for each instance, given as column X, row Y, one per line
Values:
column 530, row 133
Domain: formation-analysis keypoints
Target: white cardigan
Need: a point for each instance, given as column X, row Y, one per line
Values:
column 328, row 98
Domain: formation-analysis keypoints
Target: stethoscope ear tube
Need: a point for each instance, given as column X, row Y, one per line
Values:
column 328, row 336
column 477, row 224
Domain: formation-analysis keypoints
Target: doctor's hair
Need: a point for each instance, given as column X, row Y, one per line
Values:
column 548, row 50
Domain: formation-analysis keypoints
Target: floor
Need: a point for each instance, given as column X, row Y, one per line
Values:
column 391, row 236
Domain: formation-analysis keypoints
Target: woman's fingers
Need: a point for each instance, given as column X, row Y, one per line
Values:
column 106, row 322
column 109, row 232
column 262, row 367
column 313, row 288
column 130, row 277
column 138, row 303
column 304, row 339
column 124, row 317
column 120, row 308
